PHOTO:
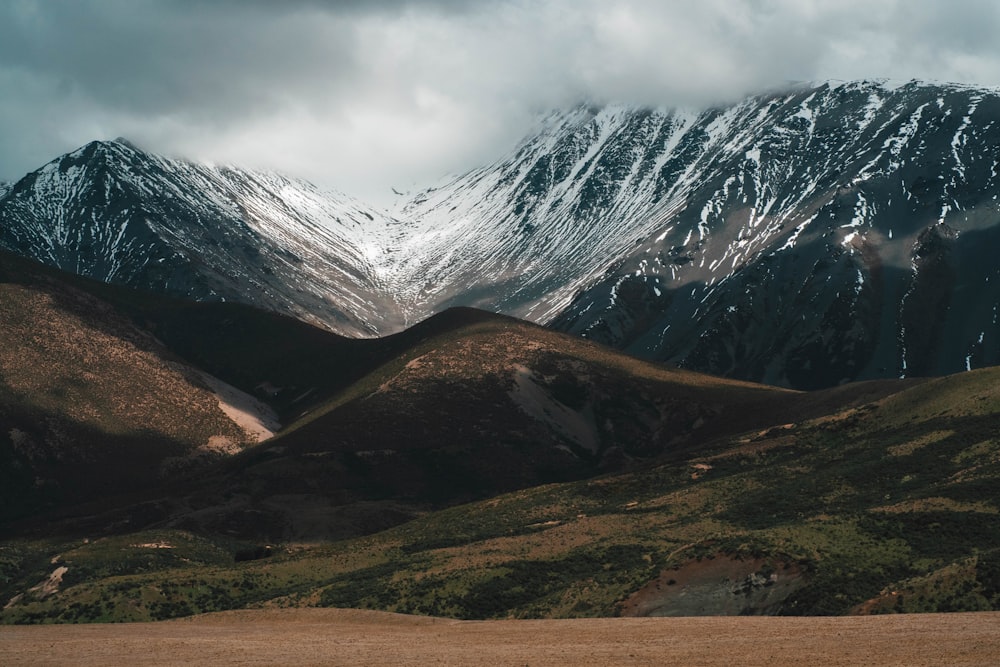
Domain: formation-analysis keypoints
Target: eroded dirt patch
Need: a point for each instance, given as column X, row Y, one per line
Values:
column 256, row 419
column 717, row 586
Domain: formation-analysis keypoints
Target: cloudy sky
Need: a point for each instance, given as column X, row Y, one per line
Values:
column 364, row 95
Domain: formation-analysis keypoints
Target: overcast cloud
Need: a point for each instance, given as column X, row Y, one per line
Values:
column 364, row 95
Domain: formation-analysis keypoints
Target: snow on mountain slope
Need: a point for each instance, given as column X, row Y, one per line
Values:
column 834, row 233
column 112, row 212
column 826, row 233
column 528, row 231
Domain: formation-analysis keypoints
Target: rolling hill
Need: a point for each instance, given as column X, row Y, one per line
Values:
column 474, row 466
column 885, row 505
column 89, row 403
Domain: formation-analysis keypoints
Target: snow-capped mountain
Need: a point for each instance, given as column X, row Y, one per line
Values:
column 115, row 213
column 834, row 233
column 823, row 234
column 827, row 233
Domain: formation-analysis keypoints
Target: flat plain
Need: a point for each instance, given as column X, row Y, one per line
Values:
column 350, row 637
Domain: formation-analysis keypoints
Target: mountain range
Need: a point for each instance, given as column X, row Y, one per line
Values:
column 222, row 389
column 801, row 238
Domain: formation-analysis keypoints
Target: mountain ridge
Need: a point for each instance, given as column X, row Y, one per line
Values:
column 112, row 212
column 797, row 237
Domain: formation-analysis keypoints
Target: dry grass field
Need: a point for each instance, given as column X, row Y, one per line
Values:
column 349, row 637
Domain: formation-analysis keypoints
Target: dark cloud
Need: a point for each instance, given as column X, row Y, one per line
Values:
column 364, row 94
column 131, row 57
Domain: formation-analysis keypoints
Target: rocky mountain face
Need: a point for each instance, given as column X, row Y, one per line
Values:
column 803, row 238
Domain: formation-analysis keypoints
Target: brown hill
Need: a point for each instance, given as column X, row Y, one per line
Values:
column 90, row 404
column 469, row 412
column 476, row 406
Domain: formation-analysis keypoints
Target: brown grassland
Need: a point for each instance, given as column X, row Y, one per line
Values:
column 350, row 637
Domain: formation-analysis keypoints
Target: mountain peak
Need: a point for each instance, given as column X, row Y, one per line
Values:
column 99, row 149
column 125, row 142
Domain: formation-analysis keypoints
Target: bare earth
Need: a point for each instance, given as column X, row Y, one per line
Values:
column 346, row 637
